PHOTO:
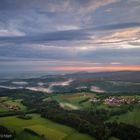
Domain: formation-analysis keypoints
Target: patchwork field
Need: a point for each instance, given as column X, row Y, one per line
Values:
column 81, row 101
column 41, row 126
column 74, row 101
column 132, row 117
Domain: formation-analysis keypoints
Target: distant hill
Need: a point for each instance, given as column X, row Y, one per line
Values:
column 112, row 82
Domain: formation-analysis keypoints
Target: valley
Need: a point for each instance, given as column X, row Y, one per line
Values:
column 80, row 114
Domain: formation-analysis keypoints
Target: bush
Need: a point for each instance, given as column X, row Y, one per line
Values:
column 25, row 117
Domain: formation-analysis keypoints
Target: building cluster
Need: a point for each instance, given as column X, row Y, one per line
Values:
column 10, row 107
column 113, row 100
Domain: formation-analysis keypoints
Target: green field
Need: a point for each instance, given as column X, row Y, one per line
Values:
column 16, row 102
column 12, row 102
column 27, row 136
column 49, row 133
column 73, row 101
column 3, row 110
column 49, row 129
column 2, row 99
column 132, row 117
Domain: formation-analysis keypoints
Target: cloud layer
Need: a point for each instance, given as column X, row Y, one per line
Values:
column 59, row 33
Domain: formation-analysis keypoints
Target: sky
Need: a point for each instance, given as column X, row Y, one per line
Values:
column 69, row 35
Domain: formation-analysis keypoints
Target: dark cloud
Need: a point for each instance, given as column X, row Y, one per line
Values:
column 53, row 36
column 77, row 34
column 77, row 30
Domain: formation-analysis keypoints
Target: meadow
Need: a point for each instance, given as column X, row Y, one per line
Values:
column 132, row 117
column 69, row 106
column 16, row 102
column 41, row 126
column 6, row 102
column 73, row 101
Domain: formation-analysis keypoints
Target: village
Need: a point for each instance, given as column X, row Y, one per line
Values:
column 114, row 100
column 9, row 106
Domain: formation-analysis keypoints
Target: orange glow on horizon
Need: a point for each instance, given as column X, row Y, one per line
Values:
column 101, row 68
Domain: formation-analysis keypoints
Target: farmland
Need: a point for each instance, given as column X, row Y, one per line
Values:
column 9, row 104
column 33, row 126
column 75, row 101
column 49, row 129
column 78, row 114
column 132, row 117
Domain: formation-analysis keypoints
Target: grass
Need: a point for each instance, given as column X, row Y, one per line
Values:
column 76, row 100
column 49, row 133
column 16, row 102
column 72, row 101
column 132, row 118
column 73, row 98
column 69, row 106
column 69, row 101
column 131, row 97
column 12, row 102
column 27, row 136
column 49, row 129
column 77, row 136
column 2, row 99
column 3, row 109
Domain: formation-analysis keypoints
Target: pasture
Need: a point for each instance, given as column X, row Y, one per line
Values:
column 41, row 126
column 132, row 117
column 7, row 104
column 17, row 102
column 74, row 101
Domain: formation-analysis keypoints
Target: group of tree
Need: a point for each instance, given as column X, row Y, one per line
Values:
column 89, row 123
